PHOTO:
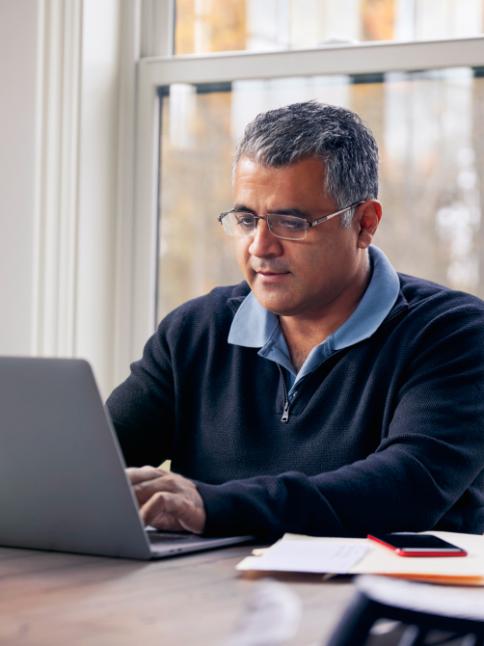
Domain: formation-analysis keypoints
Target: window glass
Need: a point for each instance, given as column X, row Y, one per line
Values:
column 430, row 130
column 204, row 26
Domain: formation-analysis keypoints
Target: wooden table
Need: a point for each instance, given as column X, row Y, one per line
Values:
column 50, row 598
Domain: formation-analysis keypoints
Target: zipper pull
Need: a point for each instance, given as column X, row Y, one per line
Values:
column 285, row 412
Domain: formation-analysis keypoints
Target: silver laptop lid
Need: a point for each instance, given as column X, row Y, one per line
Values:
column 62, row 480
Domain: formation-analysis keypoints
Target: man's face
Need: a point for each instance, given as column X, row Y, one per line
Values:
column 306, row 278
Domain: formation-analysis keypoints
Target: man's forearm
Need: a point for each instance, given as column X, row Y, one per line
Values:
column 384, row 493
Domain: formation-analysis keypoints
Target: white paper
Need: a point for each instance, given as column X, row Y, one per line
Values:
column 307, row 556
column 298, row 553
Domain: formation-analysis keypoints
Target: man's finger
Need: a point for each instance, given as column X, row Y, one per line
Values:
column 161, row 513
column 169, row 511
column 165, row 481
column 146, row 489
column 142, row 474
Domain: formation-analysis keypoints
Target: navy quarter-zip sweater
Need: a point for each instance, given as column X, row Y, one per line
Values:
column 385, row 435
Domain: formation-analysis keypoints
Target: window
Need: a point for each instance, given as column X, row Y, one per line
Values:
column 204, row 26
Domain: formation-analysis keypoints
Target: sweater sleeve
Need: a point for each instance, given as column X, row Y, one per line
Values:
column 142, row 407
column 431, row 455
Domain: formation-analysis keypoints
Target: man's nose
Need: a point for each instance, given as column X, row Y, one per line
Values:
column 264, row 243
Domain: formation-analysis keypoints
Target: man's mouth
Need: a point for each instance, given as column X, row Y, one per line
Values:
column 272, row 273
column 272, row 277
column 268, row 270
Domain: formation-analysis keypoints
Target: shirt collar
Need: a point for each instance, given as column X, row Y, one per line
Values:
column 253, row 326
column 374, row 306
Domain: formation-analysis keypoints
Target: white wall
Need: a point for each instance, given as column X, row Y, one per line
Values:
column 18, row 73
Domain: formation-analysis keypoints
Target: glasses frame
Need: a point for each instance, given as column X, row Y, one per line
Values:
column 309, row 223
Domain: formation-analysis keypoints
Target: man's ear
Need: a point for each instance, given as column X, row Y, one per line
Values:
column 367, row 216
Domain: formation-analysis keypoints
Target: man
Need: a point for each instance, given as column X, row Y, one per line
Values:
column 325, row 395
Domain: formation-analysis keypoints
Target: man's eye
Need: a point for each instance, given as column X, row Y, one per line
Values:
column 290, row 222
column 245, row 220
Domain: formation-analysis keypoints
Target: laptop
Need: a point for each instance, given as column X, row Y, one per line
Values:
column 63, row 486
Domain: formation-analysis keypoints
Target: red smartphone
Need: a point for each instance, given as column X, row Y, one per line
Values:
column 410, row 544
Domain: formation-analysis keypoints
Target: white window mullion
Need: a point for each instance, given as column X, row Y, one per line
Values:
column 157, row 27
column 145, row 213
column 365, row 58
column 57, row 165
column 124, row 311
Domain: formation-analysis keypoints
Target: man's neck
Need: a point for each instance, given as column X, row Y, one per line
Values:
column 305, row 331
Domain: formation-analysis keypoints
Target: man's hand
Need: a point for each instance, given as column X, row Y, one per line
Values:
column 167, row 500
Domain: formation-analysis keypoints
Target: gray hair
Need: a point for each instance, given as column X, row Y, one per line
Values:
column 311, row 129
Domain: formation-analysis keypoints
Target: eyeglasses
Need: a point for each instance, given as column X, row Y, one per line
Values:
column 242, row 224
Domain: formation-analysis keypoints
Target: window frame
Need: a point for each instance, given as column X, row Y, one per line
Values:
column 153, row 72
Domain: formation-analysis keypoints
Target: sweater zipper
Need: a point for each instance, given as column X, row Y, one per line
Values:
column 285, row 410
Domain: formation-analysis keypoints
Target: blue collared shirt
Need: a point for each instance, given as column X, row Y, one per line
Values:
column 255, row 327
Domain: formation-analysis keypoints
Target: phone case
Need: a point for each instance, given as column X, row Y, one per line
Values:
column 416, row 551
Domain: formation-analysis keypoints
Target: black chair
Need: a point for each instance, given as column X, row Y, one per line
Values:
column 427, row 615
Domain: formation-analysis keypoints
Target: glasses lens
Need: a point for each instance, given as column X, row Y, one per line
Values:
column 287, row 226
column 236, row 223
column 240, row 224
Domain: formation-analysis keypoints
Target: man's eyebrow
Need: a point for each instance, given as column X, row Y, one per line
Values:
column 294, row 212
column 242, row 208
